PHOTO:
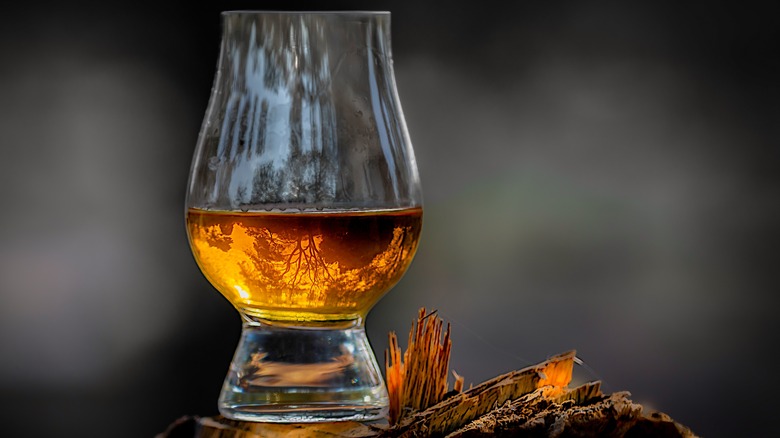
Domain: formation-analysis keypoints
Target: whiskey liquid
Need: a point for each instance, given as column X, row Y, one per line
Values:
column 304, row 266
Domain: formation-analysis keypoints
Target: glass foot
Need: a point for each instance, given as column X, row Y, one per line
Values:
column 284, row 374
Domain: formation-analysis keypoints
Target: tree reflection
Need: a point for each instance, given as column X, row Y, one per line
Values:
column 317, row 262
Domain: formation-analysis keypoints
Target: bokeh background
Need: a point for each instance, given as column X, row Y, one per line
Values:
column 600, row 176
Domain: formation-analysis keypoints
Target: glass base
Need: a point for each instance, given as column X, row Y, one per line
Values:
column 284, row 374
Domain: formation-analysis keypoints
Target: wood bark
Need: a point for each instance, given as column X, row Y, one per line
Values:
column 533, row 402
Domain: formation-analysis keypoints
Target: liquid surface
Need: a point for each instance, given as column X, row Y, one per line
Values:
column 304, row 266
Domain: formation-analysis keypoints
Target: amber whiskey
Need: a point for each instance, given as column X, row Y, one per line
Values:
column 304, row 266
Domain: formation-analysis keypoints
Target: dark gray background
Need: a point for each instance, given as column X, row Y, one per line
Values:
column 599, row 176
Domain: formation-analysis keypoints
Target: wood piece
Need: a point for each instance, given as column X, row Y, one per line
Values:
column 587, row 413
column 460, row 409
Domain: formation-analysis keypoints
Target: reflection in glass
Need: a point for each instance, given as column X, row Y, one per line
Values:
column 304, row 208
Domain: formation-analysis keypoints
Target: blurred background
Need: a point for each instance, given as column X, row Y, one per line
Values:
column 597, row 176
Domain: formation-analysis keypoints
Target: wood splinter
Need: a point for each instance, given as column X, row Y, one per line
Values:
column 419, row 380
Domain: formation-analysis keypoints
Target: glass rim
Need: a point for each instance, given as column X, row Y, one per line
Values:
column 360, row 13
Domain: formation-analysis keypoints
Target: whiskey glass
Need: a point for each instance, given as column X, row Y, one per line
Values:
column 304, row 208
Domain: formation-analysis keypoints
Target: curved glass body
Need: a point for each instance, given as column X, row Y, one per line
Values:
column 304, row 208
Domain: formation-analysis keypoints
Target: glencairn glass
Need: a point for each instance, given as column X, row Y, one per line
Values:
column 304, row 208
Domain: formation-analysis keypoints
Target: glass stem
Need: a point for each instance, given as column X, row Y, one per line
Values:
column 287, row 374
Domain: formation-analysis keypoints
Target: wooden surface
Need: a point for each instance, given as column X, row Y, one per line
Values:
column 530, row 416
